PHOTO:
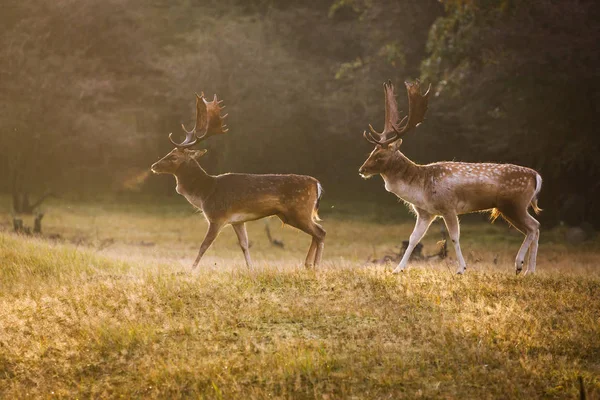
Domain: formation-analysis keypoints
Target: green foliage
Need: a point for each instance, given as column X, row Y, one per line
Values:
column 393, row 54
column 515, row 77
column 347, row 69
column 357, row 6
column 89, row 90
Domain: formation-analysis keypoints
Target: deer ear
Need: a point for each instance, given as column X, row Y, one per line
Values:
column 196, row 154
column 396, row 145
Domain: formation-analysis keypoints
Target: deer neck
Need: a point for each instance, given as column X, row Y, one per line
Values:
column 194, row 183
column 404, row 178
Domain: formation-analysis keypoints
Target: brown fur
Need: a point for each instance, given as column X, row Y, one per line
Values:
column 449, row 189
column 237, row 198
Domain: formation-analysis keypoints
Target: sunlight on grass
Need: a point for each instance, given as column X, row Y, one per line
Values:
column 79, row 318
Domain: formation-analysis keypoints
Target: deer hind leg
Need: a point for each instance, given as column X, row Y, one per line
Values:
column 453, row 226
column 530, row 227
column 315, row 252
column 242, row 235
column 211, row 235
column 306, row 224
column 424, row 219
column 312, row 252
column 320, row 238
column 533, row 253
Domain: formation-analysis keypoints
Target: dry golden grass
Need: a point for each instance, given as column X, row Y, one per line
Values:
column 112, row 310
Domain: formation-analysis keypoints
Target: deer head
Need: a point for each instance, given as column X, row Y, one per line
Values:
column 170, row 163
column 209, row 122
column 389, row 141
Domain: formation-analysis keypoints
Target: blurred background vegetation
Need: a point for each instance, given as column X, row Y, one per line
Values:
column 90, row 89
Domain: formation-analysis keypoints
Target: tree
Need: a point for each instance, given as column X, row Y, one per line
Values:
column 64, row 84
column 518, row 79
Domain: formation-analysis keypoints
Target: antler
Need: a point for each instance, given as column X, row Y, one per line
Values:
column 392, row 129
column 209, row 122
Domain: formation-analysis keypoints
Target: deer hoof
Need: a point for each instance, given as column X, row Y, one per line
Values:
column 519, row 268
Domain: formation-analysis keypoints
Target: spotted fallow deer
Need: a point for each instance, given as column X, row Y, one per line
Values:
column 233, row 199
column 448, row 189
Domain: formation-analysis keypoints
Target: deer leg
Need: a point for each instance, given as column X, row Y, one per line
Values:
column 312, row 252
column 318, row 237
column 529, row 226
column 533, row 249
column 211, row 235
column 532, row 233
column 453, row 227
column 424, row 219
column 315, row 252
column 242, row 235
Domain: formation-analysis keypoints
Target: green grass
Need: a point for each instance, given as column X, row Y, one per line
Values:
column 80, row 318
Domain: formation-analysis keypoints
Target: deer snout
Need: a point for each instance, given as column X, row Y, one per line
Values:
column 362, row 171
column 155, row 167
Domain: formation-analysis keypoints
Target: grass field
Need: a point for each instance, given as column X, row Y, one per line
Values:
column 111, row 309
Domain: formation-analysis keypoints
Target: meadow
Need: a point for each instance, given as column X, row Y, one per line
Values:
column 109, row 308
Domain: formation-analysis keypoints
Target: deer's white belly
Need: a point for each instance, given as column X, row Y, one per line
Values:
column 242, row 217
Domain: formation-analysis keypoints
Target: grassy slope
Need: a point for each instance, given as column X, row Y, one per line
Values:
column 76, row 321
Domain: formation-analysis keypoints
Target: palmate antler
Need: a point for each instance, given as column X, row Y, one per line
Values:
column 209, row 122
column 392, row 128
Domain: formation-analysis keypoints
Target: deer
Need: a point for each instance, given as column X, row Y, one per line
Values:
column 234, row 198
column 449, row 189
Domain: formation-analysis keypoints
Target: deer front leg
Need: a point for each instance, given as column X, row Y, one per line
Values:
column 242, row 235
column 211, row 235
column 424, row 219
column 453, row 227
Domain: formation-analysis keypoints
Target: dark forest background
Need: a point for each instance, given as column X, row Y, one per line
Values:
column 89, row 90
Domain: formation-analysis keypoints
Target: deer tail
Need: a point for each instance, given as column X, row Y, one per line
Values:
column 538, row 188
column 315, row 214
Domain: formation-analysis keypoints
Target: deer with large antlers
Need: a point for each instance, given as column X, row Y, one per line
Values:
column 234, row 199
column 448, row 189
